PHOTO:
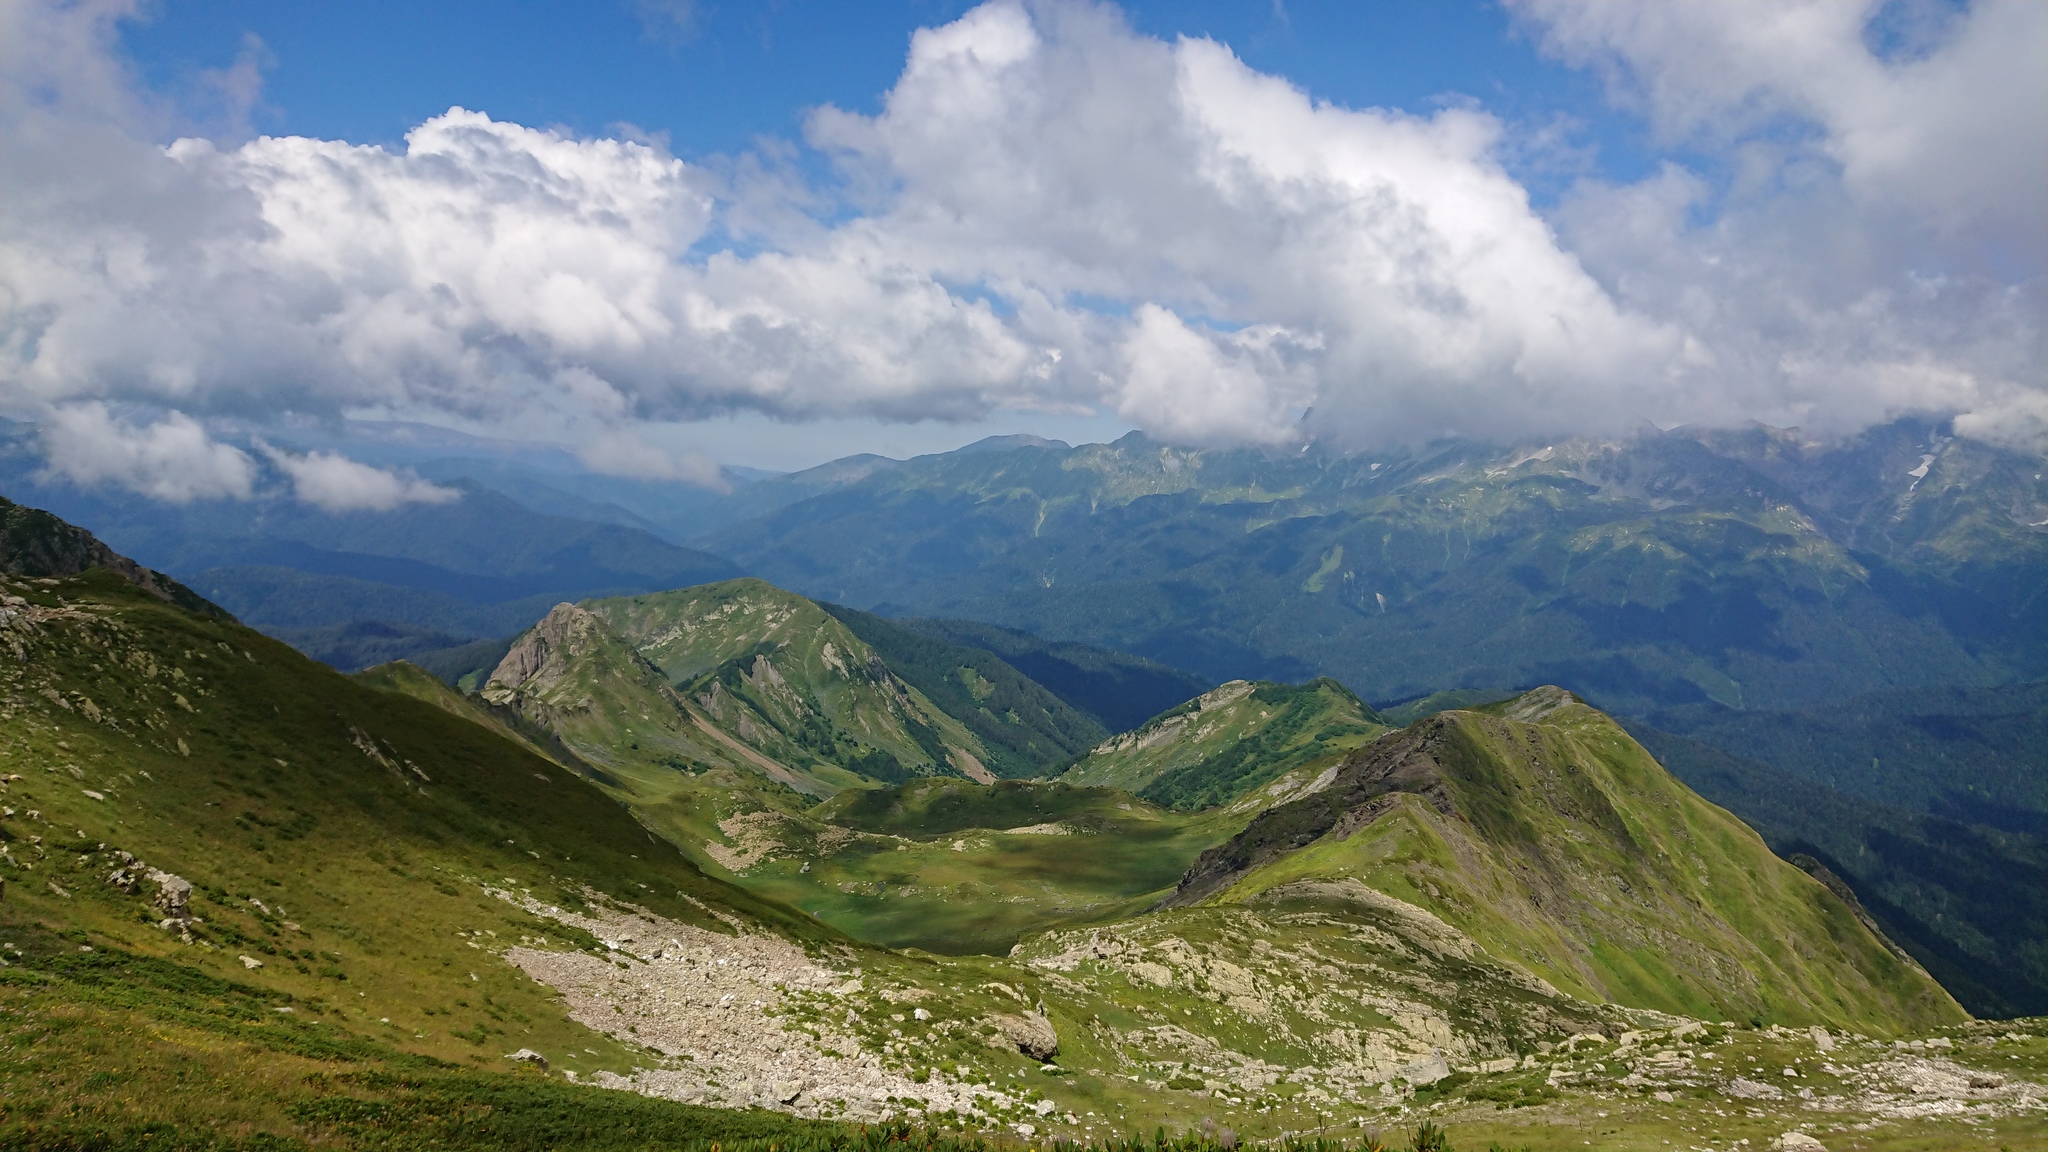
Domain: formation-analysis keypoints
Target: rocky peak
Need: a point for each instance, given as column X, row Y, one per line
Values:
column 37, row 543
column 541, row 650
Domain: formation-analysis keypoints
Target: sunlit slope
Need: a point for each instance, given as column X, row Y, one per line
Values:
column 338, row 840
column 1230, row 741
column 786, row 677
column 1541, row 830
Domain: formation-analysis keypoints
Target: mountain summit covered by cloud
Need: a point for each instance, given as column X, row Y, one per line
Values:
column 1050, row 211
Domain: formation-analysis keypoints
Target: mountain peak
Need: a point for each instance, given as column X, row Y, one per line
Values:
column 36, row 543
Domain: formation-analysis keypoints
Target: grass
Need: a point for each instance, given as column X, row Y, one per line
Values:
column 1562, row 845
column 938, row 865
column 207, row 750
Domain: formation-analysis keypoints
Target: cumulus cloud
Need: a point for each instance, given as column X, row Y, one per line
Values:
column 1879, row 243
column 172, row 460
column 1053, row 212
column 335, row 483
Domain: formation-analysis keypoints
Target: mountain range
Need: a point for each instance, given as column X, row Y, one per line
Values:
column 1270, row 900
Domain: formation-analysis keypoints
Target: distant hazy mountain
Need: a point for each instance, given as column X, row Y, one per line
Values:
column 1754, row 568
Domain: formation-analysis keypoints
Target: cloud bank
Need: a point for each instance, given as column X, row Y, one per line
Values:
column 1052, row 212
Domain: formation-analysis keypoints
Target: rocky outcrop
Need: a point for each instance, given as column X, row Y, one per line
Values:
column 38, row 544
column 1361, row 792
column 1027, row 1032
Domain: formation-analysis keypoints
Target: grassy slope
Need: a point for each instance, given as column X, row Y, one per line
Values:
column 148, row 1042
column 786, row 659
column 955, row 867
column 1969, row 902
column 618, row 714
column 1120, row 691
column 1229, row 742
column 1547, row 834
column 1025, row 727
column 232, row 761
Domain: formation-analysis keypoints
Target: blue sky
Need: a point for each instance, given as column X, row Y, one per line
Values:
column 713, row 77
column 668, row 234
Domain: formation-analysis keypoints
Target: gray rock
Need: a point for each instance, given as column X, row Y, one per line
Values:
column 529, row 1056
column 173, row 895
column 1427, row 1071
column 1029, row 1032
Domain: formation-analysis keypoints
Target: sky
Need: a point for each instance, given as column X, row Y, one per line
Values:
column 673, row 235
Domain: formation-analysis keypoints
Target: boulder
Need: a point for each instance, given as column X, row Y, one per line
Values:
column 1426, row 1071
column 1029, row 1032
column 529, row 1056
column 1797, row 1142
column 173, row 895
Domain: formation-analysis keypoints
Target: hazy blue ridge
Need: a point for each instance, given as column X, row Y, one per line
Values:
column 1119, row 690
column 1747, row 569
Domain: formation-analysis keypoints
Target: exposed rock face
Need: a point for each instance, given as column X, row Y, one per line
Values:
column 1031, row 1034
column 1403, row 762
column 35, row 543
column 537, row 654
column 722, row 1001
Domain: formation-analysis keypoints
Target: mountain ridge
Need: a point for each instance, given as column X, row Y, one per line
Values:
column 1541, row 829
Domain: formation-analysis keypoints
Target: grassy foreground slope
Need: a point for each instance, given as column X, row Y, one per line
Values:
column 1230, row 741
column 1541, row 830
column 222, row 816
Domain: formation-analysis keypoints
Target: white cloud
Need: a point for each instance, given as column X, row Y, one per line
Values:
column 335, row 483
column 172, row 460
column 1052, row 212
column 1881, row 241
column 621, row 453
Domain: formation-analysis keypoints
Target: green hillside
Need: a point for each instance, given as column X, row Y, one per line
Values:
column 1541, row 830
column 1024, row 727
column 249, row 903
column 1229, row 742
column 342, row 846
column 1970, row 902
column 955, row 867
column 747, row 652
